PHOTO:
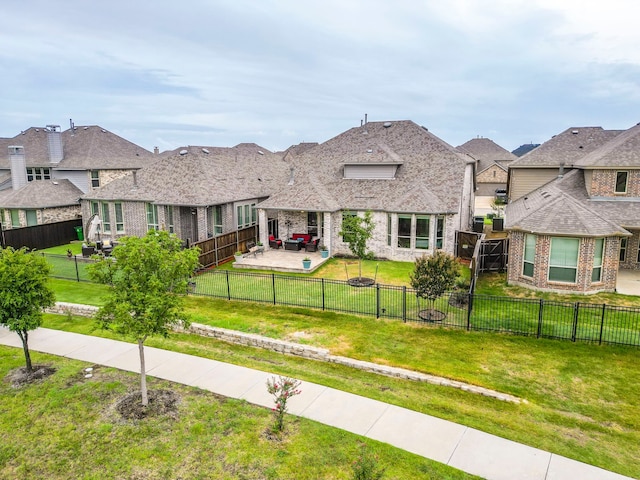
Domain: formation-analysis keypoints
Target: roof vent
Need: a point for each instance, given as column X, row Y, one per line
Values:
column 205, row 151
column 183, row 152
column 387, row 124
column 260, row 152
column 369, row 150
column 575, row 132
column 86, row 128
column 103, row 131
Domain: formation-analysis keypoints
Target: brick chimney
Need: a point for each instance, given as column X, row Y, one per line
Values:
column 18, row 167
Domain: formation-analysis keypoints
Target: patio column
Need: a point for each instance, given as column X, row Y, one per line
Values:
column 326, row 231
column 263, row 227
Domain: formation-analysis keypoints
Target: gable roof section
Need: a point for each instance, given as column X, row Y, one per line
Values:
column 198, row 178
column 84, row 148
column 561, row 207
column 566, row 147
column 424, row 159
column 622, row 151
column 487, row 153
column 41, row 194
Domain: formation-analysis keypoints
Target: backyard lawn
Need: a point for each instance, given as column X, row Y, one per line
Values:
column 582, row 399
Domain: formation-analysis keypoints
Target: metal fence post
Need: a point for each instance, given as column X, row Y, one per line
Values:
column 228, row 286
column 377, row 300
column 540, row 317
column 469, row 310
column 273, row 286
column 322, row 293
column 404, row 304
column 574, row 329
column 75, row 259
column 604, row 309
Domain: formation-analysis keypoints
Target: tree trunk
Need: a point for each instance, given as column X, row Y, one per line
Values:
column 24, row 336
column 143, row 374
column 360, row 269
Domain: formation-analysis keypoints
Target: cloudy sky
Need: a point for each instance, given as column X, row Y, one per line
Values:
column 212, row 72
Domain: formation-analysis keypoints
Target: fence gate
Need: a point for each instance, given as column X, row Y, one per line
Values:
column 466, row 243
column 493, row 255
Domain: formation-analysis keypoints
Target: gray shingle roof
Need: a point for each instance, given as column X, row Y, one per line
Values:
column 429, row 179
column 567, row 147
column 621, row 151
column 198, row 178
column 487, row 152
column 41, row 194
column 84, row 148
column 562, row 207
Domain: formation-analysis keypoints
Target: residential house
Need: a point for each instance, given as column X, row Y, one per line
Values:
column 419, row 188
column 492, row 164
column 575, row 232
column 194, row 192
column 45, row 171
column 524, row 148
column 543, row 163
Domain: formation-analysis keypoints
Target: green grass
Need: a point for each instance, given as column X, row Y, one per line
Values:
column 75, row 247
column 582, row 399
column 65, row 427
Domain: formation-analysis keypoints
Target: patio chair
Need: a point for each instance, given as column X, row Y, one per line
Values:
column 274, row 242
column 312, row 246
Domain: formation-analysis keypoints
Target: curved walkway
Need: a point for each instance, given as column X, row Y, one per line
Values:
column 461, row 447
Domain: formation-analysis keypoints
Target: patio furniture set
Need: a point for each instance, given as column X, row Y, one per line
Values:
column 297, row 242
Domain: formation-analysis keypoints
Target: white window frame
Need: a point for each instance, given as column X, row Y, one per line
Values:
column 168, row 218
column 529, row 254
column 95, row 178
column 419, row 241
column 441, row 225
column 596, row 271
column 105, row 217
column 38, row 173
column 152, row 216
column 566, row 263
column 403, row 236
column 626, row 182
column 31, row 213
column 119, row 217
column 246, row 215
column 15, row 217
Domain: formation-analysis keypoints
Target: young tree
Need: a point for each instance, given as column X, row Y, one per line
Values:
column 146, row 277
column 24, row 292
column 356, row 232
column 434, row 275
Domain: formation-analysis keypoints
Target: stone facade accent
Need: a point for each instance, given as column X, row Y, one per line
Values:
column 583, row 284
column 305, row 351
column 107, row 176
column 493, row 174
column 44, row 215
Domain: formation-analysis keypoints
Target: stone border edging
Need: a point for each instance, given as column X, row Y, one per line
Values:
column 305, row 351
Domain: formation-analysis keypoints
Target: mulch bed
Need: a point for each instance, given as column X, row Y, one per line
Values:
column 20, row 377
column 431, row 315
column 161, row 402
column 361, row 281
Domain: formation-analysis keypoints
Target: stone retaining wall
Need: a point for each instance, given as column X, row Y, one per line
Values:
column 305, row 351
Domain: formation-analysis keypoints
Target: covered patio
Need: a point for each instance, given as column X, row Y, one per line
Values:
column 280, row 260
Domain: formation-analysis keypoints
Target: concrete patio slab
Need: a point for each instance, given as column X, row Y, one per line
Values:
column 628, row 282
column 344, row 410
column 281, row 260
column 424, row 435
column 493, row 457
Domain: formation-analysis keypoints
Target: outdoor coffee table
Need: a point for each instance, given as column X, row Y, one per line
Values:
column 292, row 245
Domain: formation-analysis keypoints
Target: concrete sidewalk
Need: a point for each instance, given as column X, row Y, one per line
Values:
column 461, row 447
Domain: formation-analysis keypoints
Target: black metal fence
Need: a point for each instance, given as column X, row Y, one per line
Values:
column 578, row 322
column 584, row 322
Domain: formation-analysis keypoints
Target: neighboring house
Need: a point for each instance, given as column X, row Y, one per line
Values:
column 45, row 171
column 543, row 163
column 419, row 188
column 576, row 231
column 492, row 164
column 194, row 192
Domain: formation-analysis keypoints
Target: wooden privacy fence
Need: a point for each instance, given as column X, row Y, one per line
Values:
column 41, row 236
column 217, row 250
